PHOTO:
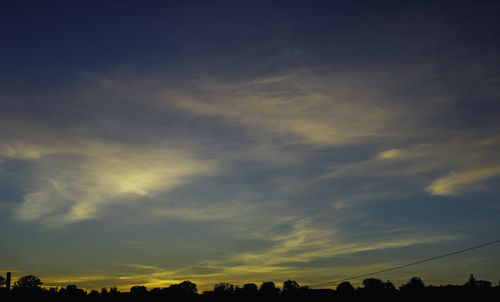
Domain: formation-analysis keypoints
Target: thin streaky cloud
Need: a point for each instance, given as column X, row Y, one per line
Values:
column 76, row 176
column 457, row 182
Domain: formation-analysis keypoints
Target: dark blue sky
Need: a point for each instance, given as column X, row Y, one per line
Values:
column 246, row 142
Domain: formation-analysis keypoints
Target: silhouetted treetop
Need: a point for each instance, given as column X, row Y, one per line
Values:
column 471, row 282
column 373, row 283
column 269, row 289
column 224, row 288
column 184, row 288
column 138, row 290
column 415, row 284
column 28, row 281
column 290, row 285
column 248, row 290
column 345, row 289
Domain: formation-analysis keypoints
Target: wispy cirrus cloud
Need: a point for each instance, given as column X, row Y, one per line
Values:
column 75, row 176
column 281, row 120
column 456, row 182
column 313, row 110
column 296, row 112
column 466, row 154
column 305, row 243
column 300, row 251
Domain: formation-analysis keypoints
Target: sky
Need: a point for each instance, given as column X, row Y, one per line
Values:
column 152, row 142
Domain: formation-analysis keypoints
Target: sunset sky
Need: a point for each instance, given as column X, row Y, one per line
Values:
column 152, row 142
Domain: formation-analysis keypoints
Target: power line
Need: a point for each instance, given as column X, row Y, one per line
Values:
column 409, row 264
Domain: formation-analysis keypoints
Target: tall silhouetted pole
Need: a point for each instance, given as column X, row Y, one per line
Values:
column 7, row 282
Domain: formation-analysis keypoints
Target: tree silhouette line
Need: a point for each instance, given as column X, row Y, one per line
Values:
column 29, row 288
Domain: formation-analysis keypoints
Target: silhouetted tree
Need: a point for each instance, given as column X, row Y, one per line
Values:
column 471, row 283
column 413, row 290
column 188, row 287
column 414, row 285
column 157, row 293
column 268, row 289
column 290, row 286
column 292, row 290
column 483, row 284
column 138, row 290
column 182, row 291
column 376, row 287
column 373, row 283
column 28, row 288
column 345, row 289
column 248, row 291
column 477, row 290
column 388, row 285
column 28, row 281
column 224, row 289
column 113, row 290
column 72, row 292
column 2, row 280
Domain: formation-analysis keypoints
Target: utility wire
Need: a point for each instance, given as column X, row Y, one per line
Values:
column 409, row 264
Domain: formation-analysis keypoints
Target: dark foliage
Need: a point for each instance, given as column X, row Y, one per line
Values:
column 28, row 288
column 29, row 281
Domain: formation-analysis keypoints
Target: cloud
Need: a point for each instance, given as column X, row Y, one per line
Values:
column 291, row 252
column 457, row 182
column 312, row 110
column 298, row 252
column 278, row 119
column 284, row 148
column 389, row 154
column 305, row 244
column 409, row 170
column 235, row 211
column 76, row 176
